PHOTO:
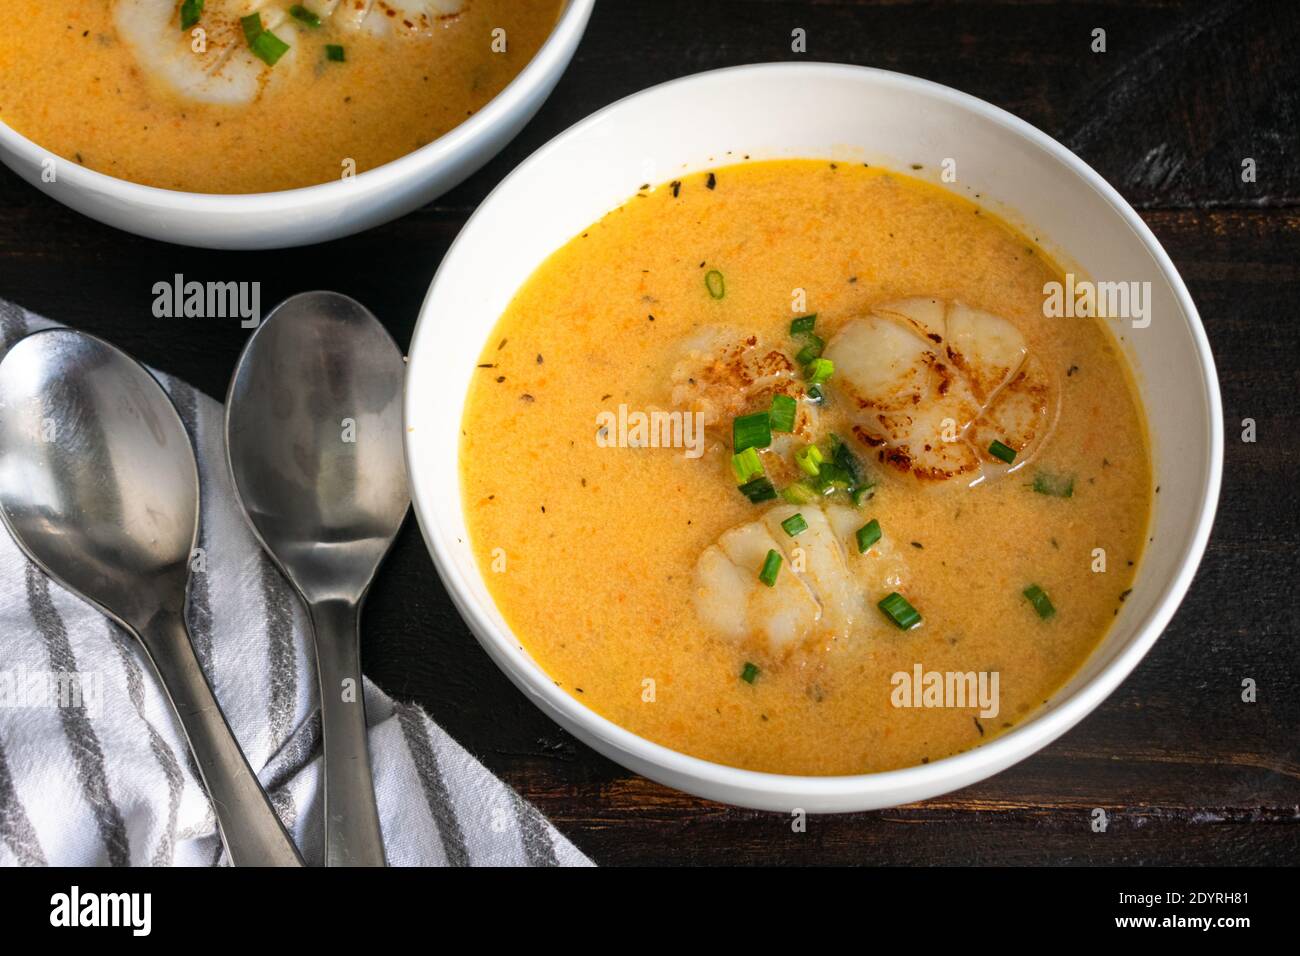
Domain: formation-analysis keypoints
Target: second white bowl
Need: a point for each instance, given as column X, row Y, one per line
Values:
column 299, row 217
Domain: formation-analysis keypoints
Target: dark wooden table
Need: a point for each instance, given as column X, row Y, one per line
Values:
column 1187, row 772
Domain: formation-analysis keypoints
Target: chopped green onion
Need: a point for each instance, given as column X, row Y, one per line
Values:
column 782, row 414
column 868, row 535
column 771, row 568
column 843, row 456
column 191, row 11
column 758, row 490
column 832, row 477
column 268, row 48
column 714, row 283
column 815, row 394
column 799, row 493
column 803, row 324
column 1058, row 486
column 1041, row 602
column 748, row 672
column 819, row 370
column 795, row 525
column 299, row 12
column 751, row 431
column 252, row 25
column 862, row 493
column 746, row 466
column 810, row 351
column 809, row 460
column 899, row 611
column 1004, row 452
column 334, row 53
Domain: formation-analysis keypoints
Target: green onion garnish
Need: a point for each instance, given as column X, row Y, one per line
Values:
column 844, row 457
column 832, row 477
column 758, row 490
column 299, row 12
column 191, row 10
column 868, row 535
column 815, row 394
column 899, row 611
column 1005, row 452
column 714, row 283
column 252, row 25
column 862, row 493
column 782, row 414
column 809, row 460
column 819, row 370
column 810, row 351
column 1041, row 602
column 803, row 324
column 748, row 672
column 771, row 568
column 799, row 493
column 746, row 466
column 1058, row 486
column 266, row 46
column 751, row 431
column 334, row 52
column 795, row 525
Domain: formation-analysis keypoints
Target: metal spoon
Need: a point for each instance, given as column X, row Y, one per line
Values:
column 98, row 485
column 314, row 437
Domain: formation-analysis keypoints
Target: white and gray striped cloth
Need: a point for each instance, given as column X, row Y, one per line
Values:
column 109, row 780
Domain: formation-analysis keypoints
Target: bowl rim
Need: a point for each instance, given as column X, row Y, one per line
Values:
column 923, row 780
column 548, row 61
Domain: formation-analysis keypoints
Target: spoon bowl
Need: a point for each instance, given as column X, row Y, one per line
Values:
column 82, row 426
column 99, row 487
column 314, row 435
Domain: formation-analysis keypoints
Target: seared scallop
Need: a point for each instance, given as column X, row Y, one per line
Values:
column 382, row 17
column 936, row 387
column 218, row 65
column 721, row 373
column 823, row 592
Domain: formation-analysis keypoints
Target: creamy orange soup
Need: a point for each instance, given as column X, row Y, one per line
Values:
column 188, row 96
column 634, row 574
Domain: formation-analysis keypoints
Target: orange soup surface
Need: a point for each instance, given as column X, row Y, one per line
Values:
column 131, row 89
column 640, row 577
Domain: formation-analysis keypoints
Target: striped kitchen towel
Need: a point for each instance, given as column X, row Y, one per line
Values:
column 94, row 768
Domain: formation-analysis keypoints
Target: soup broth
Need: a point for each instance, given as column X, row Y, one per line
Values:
column 612, row 564
column 121, row 87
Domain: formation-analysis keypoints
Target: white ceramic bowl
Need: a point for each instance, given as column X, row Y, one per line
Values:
column 852, row 114
column 299, row 217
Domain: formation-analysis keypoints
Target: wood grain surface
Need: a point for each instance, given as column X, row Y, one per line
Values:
column 1184, row 93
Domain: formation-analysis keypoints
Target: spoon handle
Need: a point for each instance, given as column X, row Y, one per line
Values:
column 352, row 834
column 249, row 826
